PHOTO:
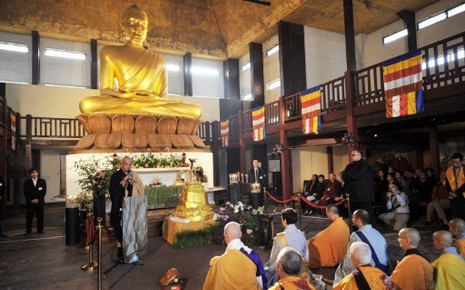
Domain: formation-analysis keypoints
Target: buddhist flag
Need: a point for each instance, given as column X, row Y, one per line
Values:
column 225, row 133
column 403, row 85
column 258, row 124
column 311, row 110
column 13, row 131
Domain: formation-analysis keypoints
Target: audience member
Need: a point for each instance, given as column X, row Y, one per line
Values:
column 309, row 192
column 290, row 237
column 367, row 234
column 34, row 190
column 288, row 268
column 457, row 229
column 397, row 205
column 360, row 183
column 239, row 267
column 400, row 163
column 328, row 247
column 449, row 266
column 420, row 194
column 320, row 187
column 414, row 271
column 365, row 276
column 440, row 200
column 332, row 190
column 456, row 177
column 381, row 187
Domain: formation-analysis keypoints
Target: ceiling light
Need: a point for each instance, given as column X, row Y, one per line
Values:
column 15, row 47
column 65, row 54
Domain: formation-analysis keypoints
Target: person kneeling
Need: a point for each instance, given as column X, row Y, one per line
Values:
column 288, row 267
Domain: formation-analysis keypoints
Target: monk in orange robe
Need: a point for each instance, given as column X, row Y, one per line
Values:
column 414, row 271
column 328, row 247
column 360, row 255
column 457, row 229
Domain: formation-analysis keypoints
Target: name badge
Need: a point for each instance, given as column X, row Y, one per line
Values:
column 40, row 188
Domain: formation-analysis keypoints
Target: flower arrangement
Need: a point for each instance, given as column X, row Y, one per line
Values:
column 94, row 176
column 159, row 160
column 246, row 216
column 84, row 199
column 348, row 139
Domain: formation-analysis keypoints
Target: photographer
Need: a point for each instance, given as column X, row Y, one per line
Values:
column 398, row 211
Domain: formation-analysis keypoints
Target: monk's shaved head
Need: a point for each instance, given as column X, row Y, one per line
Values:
column 458, row 224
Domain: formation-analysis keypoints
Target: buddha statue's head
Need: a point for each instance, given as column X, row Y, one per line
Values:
column 135, row 25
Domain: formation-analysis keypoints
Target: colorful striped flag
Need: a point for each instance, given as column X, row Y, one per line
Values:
column 258, row 124
column 225, row 133
column 403, row 85
column 311, row 110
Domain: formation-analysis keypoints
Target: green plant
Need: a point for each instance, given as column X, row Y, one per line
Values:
column 195, row 238
column 94, row 176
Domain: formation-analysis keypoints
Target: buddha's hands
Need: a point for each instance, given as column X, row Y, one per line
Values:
column 133, row 95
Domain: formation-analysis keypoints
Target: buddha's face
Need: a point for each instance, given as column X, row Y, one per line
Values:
column 135, row 26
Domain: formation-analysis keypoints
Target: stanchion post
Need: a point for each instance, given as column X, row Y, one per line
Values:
column 91, row 266
column 349, row 214
column 300, row 208
column 99, row 229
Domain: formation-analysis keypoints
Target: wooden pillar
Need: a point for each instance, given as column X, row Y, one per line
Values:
column 292, row 58
column 241, row 145
column 349, row 35
column 409, row 19
column 93, row 64
column 434, row 148
column 286, row 157
column 329, row 154
column 3, row 147
column 187, row 61
column 256, row 74
column 350, row 118
column 35, row 57
column 231, row 79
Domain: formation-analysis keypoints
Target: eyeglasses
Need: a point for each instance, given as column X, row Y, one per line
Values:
column 354, row 154
column 401, row 237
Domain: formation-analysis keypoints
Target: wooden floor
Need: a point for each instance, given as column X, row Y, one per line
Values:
column 44, row 261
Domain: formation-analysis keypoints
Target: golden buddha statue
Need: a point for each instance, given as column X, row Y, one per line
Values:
column 133, row 79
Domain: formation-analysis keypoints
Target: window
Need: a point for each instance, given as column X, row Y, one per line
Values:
column 207, row 78
column 395, row 36
column 272, row 50
column 174, row 66
column 273, row 84
column 15, row 55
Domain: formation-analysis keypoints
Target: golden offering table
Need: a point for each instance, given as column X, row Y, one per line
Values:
column 173, row 226
column 162, row 196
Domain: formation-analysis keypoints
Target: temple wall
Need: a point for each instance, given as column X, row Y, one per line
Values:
column 63, row 102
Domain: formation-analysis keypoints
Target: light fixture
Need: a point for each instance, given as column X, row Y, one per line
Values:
column 14, row 47
column 65, row 54
column 395, row 36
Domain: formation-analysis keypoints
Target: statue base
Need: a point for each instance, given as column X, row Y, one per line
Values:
column 122, row 131
column 172, row 227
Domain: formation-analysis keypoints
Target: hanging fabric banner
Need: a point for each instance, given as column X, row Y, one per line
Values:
column 225, row 133
column 258, row 124
column 403, row 85
column 311, row 110
column 13, row 131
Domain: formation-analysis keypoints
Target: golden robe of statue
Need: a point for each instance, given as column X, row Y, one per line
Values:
column 133, row 78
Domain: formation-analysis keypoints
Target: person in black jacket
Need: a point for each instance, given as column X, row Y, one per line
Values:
column 35, row 189
column 358, row 179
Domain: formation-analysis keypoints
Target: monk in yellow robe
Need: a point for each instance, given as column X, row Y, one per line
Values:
column 414, row 271
column 288, row 268
column 457, row 229
column 328, row 247
column 449, row 266
column 133, row 78
column 360, row 255
column 234, row 269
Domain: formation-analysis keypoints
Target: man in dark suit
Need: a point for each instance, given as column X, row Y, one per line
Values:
column 35, row 189
column 256, row 175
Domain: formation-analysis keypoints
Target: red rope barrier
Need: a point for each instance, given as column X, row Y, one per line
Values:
column 319, row 206
column 280, row 201
column 90, row 230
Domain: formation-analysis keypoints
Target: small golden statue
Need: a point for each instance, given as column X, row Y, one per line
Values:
column 140, row 76
column 193, row 200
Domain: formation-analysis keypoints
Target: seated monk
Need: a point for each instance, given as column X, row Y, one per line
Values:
column 140, row 77
column 328, row 247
